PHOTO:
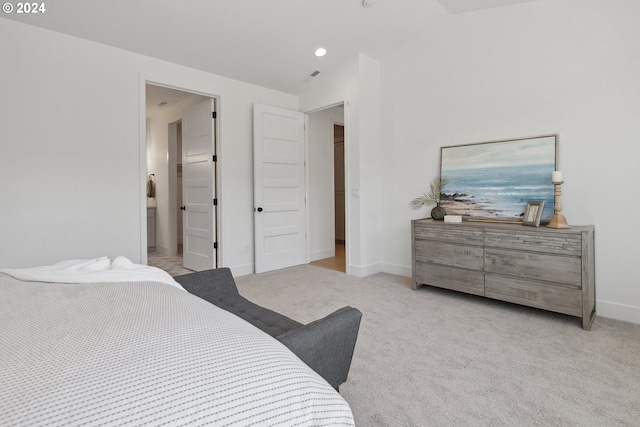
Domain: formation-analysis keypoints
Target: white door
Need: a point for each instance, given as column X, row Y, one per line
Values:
column 198, row 183
column 279, row 188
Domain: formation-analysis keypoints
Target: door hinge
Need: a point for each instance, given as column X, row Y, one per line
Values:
column 214, row 115
column 215, row 202
column 215, row 158
column 215, row 245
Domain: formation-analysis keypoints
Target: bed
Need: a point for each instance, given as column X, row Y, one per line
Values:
column 126, row 345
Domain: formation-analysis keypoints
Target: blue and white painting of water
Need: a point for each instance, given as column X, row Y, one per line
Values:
column 495, row 180
column 504, row 190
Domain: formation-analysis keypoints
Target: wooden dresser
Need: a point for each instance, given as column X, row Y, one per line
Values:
column 552, row 269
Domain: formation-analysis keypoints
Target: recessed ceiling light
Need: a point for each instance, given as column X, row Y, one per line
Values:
column 321, row 51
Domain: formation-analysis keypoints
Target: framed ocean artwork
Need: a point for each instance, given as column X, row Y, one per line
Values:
column 493, row 181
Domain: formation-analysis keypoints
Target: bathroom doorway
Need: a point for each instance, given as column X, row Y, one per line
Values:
column 166, row 111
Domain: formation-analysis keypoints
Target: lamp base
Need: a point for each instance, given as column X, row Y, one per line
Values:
column 558, row 221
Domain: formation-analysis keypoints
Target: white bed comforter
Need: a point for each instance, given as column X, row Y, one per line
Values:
column 97, row 270
column 144, row 353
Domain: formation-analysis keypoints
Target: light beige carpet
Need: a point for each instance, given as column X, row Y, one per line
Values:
column 437, row 358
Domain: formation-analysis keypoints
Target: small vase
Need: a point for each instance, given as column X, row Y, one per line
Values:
column 438, row 213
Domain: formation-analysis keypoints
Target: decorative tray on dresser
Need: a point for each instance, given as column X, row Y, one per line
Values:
column 547, row 268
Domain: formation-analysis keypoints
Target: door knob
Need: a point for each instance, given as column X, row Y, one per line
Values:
column 259, row 209
column 182, row 208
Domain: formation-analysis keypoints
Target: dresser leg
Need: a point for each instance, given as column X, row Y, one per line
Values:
column 587, row 321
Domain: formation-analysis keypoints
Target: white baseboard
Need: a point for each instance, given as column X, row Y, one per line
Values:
column 364, row 271
column 612, row 310
column 242, row 270
column 325, row 253
column 395, row 269
column 368, row 270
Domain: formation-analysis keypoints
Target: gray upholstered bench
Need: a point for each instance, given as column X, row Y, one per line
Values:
column 326, row 345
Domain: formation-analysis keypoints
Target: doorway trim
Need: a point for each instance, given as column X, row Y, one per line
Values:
column 172, row 162
column 335, row 123
column 188, row 87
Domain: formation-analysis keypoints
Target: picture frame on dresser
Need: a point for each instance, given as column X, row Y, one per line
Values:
column 533, row 213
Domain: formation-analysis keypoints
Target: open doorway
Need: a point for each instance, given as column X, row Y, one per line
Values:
column 166, row 112
column 327, row 173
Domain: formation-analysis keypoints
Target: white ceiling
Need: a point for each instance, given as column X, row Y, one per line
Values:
column 157, row 95
column 265, row 42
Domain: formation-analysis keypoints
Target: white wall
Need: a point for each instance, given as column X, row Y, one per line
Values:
column 71, row 181
column 321, row 227
column 553, row 66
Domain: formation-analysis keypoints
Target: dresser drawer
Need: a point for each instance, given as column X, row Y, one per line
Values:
column 560, row 299
column 451, row 233
column 564, row 270
column 449, row 254
column 457, row 279
column 550, row 242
